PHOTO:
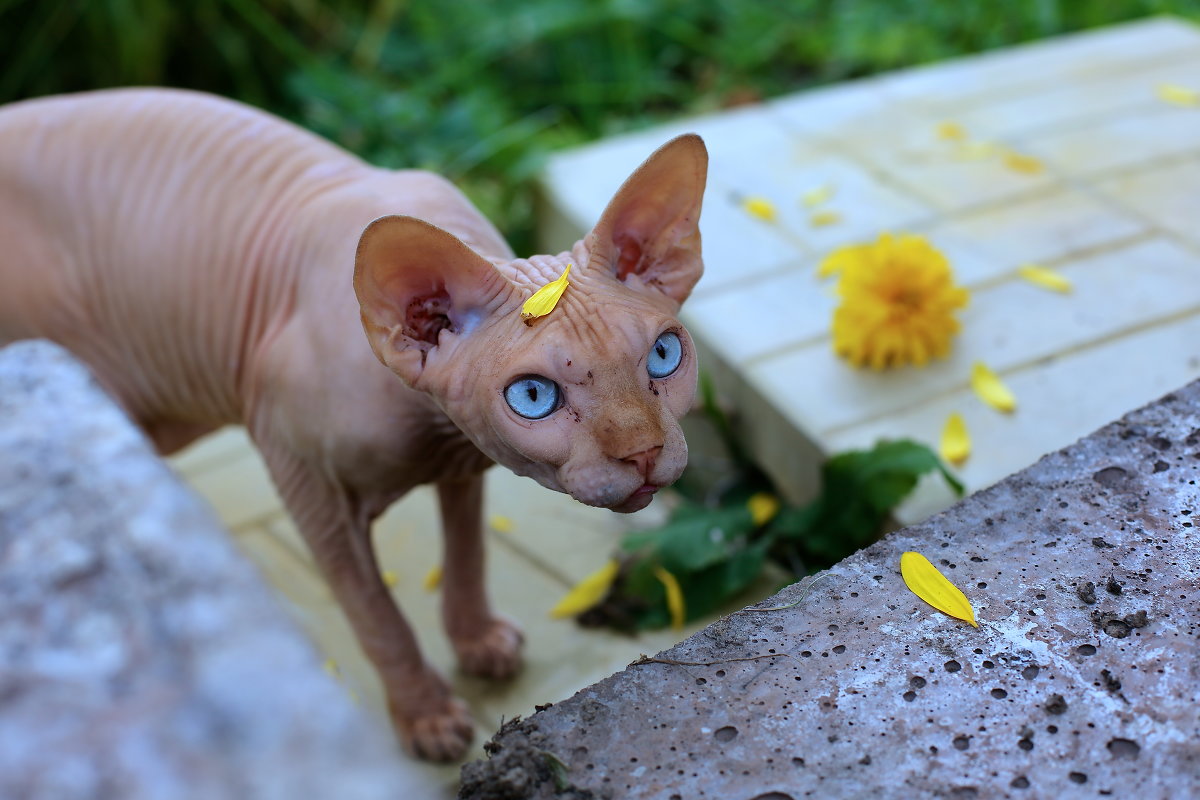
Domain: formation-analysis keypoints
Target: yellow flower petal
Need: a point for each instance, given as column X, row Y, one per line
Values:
column 588, row 592
column 330, row 666
column 927, row 583
column 1022, row 163
column 433, row 579
column 500, row 524
column 991, row 389
column 760, row 207
column 956, row 442
column 674, row 596
column 1045, row 278
column 818, row 196
column 390, row 578
column 823, row 218
column 763, row 507
column 543, row 301
column 952, row 131
column 1179, row 95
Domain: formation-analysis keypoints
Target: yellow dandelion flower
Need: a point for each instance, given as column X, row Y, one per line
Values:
column 898, row 302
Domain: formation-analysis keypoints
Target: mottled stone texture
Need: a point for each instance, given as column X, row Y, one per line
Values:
column 140, row 656
column 1083, row 679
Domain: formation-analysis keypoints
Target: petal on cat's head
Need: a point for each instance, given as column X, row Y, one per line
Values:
column 651, row 228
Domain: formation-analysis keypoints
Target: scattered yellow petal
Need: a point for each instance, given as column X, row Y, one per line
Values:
column 500, row 524
column 977, row 151
column 588, row 592
column 390, row 578
column 763, row 507
column 543, row 301
column 1179, row 95
column 1045, row 278
column 991, row 389
column 927, row 583
column 760, row 207
column 952, row 131
column 818, row 196
column 433, row 579
column 674, row 596
column 956, row 442
column 1022, row 163
column 331, row 667
column 823, row 218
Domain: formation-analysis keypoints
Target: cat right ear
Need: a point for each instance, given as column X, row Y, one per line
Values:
column 649, row 235
column 418, row 288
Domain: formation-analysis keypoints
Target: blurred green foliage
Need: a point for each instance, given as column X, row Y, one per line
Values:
column 481, row 91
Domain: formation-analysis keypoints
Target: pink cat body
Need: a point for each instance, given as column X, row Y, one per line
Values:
column 209, row 262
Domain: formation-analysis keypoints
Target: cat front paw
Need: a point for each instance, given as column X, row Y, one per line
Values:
column 441, row 734
column 495, row 653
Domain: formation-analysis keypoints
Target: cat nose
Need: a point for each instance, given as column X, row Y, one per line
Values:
column 645, row 460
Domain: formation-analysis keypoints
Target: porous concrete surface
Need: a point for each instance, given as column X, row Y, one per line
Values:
column 1082, row 680
column 140, row 655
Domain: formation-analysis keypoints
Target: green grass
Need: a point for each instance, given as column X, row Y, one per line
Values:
column 482, row 91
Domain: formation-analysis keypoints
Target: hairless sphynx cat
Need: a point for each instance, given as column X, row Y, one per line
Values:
column 213, row 264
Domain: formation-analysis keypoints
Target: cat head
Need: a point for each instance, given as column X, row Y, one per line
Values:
column 585, row 399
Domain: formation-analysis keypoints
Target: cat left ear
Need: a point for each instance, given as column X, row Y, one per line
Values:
column 650, row 231
column 413, row 281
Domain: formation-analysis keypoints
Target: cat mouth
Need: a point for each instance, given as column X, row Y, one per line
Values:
column 638, row 500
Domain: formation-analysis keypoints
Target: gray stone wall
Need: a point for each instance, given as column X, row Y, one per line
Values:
column 1082, row 680
column 140, row 655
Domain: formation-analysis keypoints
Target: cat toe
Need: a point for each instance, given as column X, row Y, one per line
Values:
column 443, row 735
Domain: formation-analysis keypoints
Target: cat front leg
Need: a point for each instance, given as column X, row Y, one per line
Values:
column 487, row 645
column 430, row 721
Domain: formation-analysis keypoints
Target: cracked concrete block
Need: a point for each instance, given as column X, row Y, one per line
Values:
column 1082, row 680
column 140, row 654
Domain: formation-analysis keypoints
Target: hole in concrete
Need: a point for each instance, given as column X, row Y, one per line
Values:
column 964, row 792
column 1078, row 777
column 1086, row 650
column 1030, row 672
column 1111, row 477
column 952, row 666
column 841, row 648
column 961, row 742
column 909, row 696
column 1124, row 748
column 720, row 673
column 1020, row 782
column 917, row 682
column 999, row 694
column 725, row 734
column 772, row 796
column 1025, row 744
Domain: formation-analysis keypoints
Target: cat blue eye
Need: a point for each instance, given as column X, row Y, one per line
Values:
column 533, row 396
column 665, row 355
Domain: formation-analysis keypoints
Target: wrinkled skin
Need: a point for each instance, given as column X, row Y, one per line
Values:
column 199, row 255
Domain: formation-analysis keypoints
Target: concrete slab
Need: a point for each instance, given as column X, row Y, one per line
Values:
column 1110, row 204
column 1082, row 679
